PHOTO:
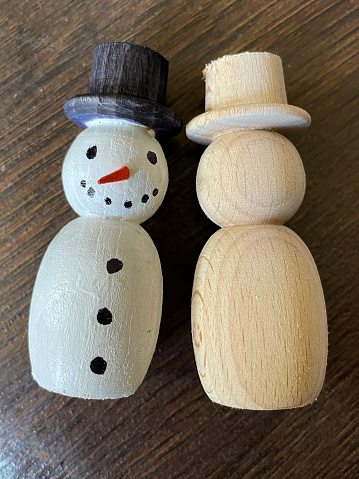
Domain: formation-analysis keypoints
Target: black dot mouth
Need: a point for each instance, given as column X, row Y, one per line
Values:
column 91, row 192
column 127, row 204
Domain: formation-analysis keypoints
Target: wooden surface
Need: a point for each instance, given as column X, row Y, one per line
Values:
column 244, row 90
column 258, row 319
column 250, row 177
column 170, row 429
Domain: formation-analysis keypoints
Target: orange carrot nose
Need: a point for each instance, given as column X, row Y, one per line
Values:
column 122, row 174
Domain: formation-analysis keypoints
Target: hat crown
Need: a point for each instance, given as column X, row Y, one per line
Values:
column 244, row 78
column 128, row 69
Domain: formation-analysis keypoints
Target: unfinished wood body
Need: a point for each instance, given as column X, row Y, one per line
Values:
column 258, row 319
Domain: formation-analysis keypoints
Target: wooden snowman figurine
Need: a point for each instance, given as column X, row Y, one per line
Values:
column 96, row 306
column 258, row 313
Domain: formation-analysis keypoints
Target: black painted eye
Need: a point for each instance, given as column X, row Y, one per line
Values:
column 91, row 152
column 152, row 157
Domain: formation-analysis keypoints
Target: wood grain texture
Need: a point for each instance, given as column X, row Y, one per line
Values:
column 259, row 323
column 169, row 428
column 249, row 77
column 250, row 177
column 127, row 81
column 246, row 91
column 129, row 69
column 258, row 319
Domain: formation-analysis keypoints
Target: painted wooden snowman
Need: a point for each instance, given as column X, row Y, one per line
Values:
column 96, row 306
column 258, row 312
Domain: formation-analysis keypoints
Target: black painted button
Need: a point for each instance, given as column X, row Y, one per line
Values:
column 98, row 365
column 114, row 265
column 104, row 316
column 128, row 204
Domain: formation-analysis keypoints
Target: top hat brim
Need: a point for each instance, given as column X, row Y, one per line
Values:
column 84, row 109
column 274, row 116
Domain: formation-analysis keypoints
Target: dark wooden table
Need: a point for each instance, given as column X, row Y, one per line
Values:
column 169, row 428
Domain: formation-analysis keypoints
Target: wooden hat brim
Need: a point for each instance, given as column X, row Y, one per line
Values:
column 83, row 109
column 206, row 127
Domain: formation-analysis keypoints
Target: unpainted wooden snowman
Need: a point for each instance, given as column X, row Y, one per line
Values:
column 258, row 312
column 96, row 306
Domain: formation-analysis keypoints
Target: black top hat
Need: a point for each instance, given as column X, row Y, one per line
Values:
column 127, row 81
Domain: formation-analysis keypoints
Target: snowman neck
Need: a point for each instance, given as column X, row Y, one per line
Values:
column 119, row 123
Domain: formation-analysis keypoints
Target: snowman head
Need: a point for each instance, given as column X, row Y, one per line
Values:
column 115, row 168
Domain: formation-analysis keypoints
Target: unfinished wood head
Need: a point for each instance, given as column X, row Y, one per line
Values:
column 250, row 177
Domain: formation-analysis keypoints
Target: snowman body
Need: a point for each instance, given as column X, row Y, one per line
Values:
column 258, row 312
column 96, row 306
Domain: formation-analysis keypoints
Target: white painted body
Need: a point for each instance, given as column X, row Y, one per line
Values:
column 74, row 283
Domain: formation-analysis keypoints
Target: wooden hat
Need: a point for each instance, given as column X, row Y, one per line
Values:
column 127, row 81
column 246, row 90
